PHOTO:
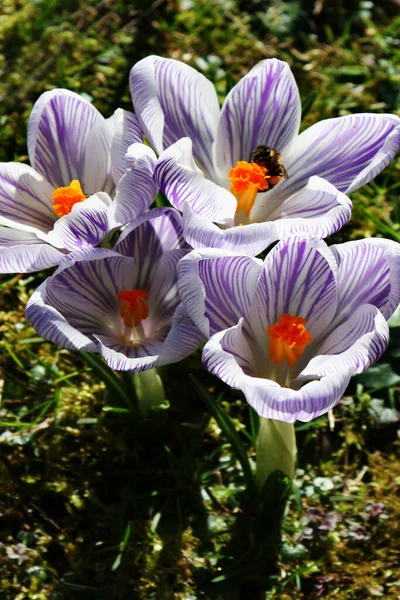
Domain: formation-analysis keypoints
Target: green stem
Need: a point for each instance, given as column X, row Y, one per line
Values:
column 275, row 450
column 149, row 390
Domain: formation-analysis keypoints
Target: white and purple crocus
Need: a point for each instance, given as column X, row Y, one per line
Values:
column 63, row 202
column 292, row 330
column 121, row 303
column 205, row 165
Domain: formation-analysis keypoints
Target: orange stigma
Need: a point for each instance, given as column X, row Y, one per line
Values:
column 247, row 179
column 288, row 339
column 64, row 198
column 134, row 307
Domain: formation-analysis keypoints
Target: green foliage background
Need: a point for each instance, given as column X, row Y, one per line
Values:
column 95, row 506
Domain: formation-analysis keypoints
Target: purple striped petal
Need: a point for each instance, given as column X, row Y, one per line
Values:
column 182, row 340
column 268, row 398
column 84, row 290
column 86, row 224
column 58, row 131
column 149, row 237
column 353, row 346
column 163, row 291
column 363, row 276
column 129, row 357
column 251, row 239
column 299, row 278
column 181, row 181
column 52, row 325
column 318, row 208
column 217, row 287
column 127, row 132
column 136, row 191
column 25, row 198
column 263, row 108
column 172, row 101
column 23, row 252
column 348, row 151
column 391, row 251
column 97, row 175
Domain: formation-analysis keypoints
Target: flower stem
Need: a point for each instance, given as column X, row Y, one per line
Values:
column 149, row 390
column 275, row 449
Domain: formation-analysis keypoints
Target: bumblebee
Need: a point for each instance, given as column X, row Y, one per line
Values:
column 270, row 159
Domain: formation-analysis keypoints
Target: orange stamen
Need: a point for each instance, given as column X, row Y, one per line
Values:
column 134, row 307
column 247, row 179
column 64, row 198
column 288, row 339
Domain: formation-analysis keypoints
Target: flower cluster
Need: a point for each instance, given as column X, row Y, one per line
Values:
column 145, row 286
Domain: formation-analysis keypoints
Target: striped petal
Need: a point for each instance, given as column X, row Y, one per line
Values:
column 183, row 338
column 163, row 291
column 84, row 290
column 126, row 132
column 136, row 191
column 172, row 101
column 148, row 238
column 299, row 278
column 251, row 239
column 363, row 277
column 23, row 252
column 52, row 325
column 318, row 208
column 181, row 181
column 25, row 198
column 353, row 346
column 58, row 131
column 263, row 108
column 347, row 151
column 268, row 398
column 86, row 224
column 129, row 357
column 217, row 287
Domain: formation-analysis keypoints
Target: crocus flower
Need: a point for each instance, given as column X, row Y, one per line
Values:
column 121, row 303
column 62, row 202
column 247, row 163
column 292, row 330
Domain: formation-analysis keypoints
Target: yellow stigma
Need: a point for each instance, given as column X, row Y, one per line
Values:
column 288, row 339
column 247, row 179
column 64, row 198
column 134, row 307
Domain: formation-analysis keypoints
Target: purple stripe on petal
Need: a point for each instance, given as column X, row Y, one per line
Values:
column 50, row 324
column 127, row 132
column 268, row 398
column 263, row 108
column 181, row 181
column 163, row 291
column 172, row 101
column 353, row 346
column 347, row 151
column 319, row 209
column 129, row 357
column 85, row 288
column 250, row 239
column 152, row 234
column 299, row 278
column 136, row 191
column 22, row 252
column 25, row 198
column 363, row 277
column 182, row 340
column 57, row 133
column 217, row 288
column 86, row 225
